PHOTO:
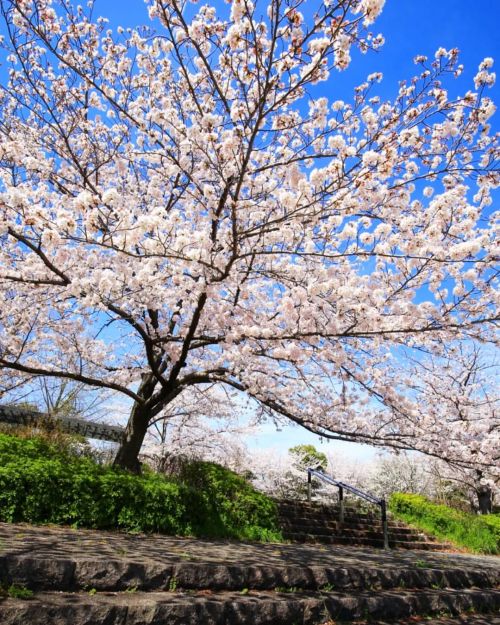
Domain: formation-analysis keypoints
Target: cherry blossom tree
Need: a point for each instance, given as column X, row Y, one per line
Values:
column 458, row 417
column 182, row 205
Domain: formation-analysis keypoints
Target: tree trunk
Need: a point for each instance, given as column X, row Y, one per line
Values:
column 128, row 452
column 484, row 499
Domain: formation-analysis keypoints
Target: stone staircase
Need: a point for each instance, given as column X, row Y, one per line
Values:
column 304, row 522
column 62, row 576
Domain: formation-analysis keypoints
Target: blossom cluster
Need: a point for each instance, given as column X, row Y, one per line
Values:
column 177, row 209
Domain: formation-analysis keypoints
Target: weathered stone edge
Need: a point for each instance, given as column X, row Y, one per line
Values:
column 117, row 575
column 181, row 609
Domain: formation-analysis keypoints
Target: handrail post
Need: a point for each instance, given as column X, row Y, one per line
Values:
column 383, row 508
column 309, row 477
column 341, row 504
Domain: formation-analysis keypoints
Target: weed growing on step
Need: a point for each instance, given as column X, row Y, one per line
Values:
column 172, row 584
column 286, row 589
column 15, row 591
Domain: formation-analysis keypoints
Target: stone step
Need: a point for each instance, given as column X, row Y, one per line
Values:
column 460, row 619
column 331, row 518
column 351, row 522
column 343, row 530
column 327, row 505
column 244, row 608
column 301, row 537
column 310, row 522
column 327, row 511
column 121, row 575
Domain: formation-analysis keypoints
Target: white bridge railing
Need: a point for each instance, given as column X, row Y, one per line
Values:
column 17, row 415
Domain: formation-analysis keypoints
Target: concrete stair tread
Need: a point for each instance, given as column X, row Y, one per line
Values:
column 248, row 607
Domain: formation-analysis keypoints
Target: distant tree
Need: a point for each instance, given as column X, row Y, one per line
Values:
column 303, row 457
column 206, row 423
column 307, row 456
column 184, row 207
column 403, row 473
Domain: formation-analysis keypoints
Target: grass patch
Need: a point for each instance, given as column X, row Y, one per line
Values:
column 480, row 534
column 41, row 482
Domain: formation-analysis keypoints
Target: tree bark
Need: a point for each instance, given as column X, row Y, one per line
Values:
column 128, row 452
column 127, row 456
column 484, row 499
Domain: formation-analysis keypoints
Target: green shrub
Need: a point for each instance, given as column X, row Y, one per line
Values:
column 235, row 504
column 480, row 534
column 43, row 483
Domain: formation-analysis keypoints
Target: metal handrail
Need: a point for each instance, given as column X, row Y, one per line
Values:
column 355, row 491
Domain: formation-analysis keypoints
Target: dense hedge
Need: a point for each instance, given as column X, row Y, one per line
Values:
column 235, row 502
column 43, row 483
column 477, row 533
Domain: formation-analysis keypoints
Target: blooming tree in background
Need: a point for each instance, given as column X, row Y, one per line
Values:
column 182, row 205
column 201, row 423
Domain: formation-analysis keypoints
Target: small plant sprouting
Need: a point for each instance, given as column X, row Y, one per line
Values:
column 286, row 589
column 172, row 584
column 19, row 592
column 422, row 564
column 92, row 592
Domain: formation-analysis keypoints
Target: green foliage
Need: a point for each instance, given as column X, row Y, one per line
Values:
column 493, row 521
column 306, row 456
column 235, row 505
column 16, row 592
column 294, row 485
column 41, row 482
column 480, row 534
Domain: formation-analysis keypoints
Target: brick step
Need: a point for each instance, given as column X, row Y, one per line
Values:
column 352, row 518
column 311, row 522
column 300, row 537
column 352, row 533
column 330, row 503
column 298, row 508
column 247, row 608
column 332, row 526
column 118, row 575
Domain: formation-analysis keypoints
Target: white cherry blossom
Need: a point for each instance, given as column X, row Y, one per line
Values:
column 177, row 210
